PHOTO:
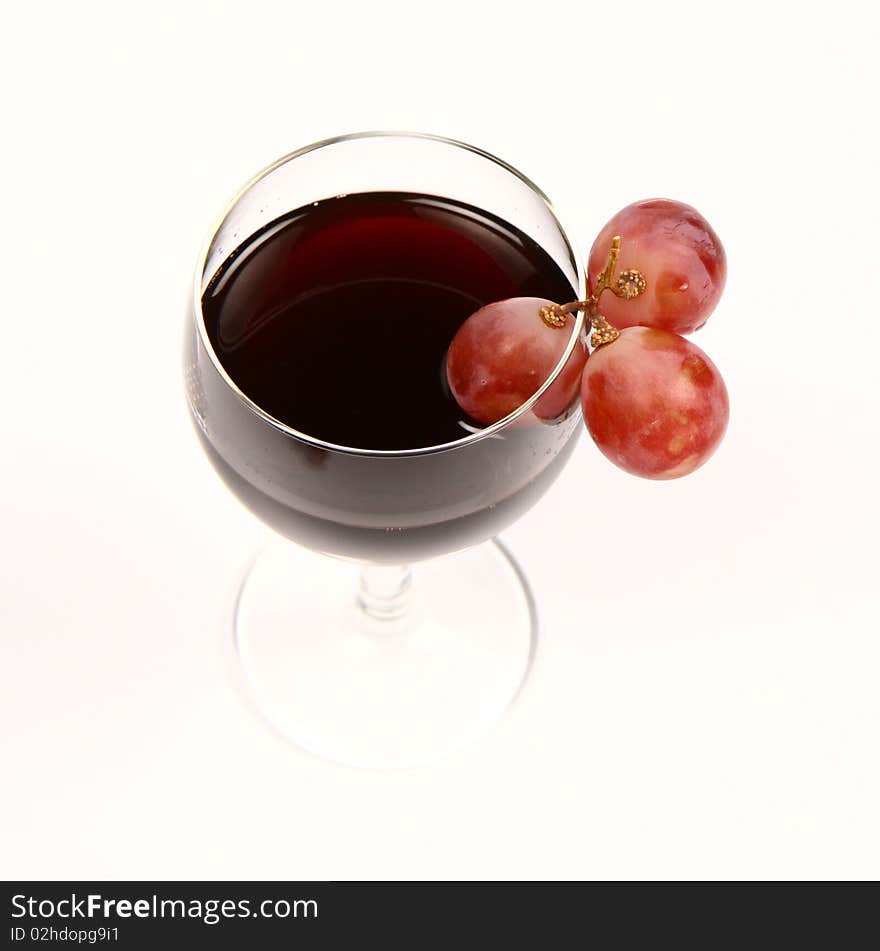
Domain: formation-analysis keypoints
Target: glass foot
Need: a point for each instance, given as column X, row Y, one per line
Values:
column 371, row 667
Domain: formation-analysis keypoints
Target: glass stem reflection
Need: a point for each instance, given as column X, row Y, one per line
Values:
column 384, row 591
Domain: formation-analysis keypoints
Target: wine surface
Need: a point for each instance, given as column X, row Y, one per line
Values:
column 336, row 318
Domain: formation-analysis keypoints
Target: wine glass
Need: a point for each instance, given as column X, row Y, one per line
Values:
column 419, row 629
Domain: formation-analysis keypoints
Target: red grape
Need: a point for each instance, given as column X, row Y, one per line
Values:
column 680, row 257
column 503, row 353
column 654, row 403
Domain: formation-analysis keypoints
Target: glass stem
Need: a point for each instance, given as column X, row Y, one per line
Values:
column 384, row 591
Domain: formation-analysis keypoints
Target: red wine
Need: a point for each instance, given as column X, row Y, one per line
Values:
column 336, row 319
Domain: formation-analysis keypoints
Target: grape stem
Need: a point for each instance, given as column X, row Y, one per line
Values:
column 629, row 284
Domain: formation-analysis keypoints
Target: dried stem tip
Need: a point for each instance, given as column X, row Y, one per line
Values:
column 630, row 283
column 554, row 315
column 603, row 332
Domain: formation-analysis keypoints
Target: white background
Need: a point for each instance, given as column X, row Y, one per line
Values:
column 705, row 699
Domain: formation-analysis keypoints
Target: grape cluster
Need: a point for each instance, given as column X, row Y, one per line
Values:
column 653, row 402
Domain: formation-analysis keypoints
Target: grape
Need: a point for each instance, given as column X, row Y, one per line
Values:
column 654, row 403
column 503, row 353
column 679, row 255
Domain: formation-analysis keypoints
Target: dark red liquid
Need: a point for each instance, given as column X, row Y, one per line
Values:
column 336, row 319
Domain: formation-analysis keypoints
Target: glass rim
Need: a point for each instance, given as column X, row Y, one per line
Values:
column 466, row 440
